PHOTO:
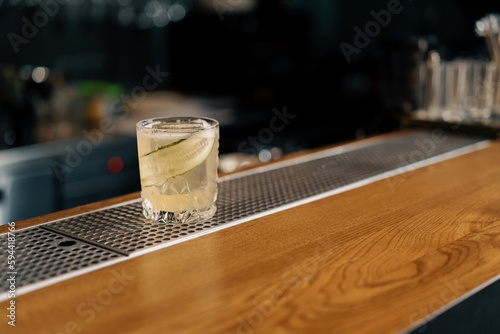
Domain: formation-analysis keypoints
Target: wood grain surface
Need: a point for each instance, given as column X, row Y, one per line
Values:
column 376, row 259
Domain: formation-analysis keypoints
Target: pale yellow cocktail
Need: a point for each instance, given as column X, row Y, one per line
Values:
column 178, row 160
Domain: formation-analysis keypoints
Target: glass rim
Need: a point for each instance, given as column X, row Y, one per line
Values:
column 142, row 124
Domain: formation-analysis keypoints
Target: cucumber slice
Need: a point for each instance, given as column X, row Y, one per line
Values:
column 174, row 159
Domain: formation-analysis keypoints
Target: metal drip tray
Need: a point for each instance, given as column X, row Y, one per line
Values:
column 122, row 230
column 125, row 230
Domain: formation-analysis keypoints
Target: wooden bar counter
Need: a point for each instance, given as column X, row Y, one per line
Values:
column 382, row 258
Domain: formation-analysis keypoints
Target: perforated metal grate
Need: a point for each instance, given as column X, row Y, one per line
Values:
column 41, row 254
column 124, row 229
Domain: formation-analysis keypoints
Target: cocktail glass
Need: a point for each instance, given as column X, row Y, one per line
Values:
column 178, row 160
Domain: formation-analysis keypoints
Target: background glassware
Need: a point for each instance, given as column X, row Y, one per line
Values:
column 461, row 90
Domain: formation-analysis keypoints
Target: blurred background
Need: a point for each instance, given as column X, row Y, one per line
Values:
column 280, row 76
